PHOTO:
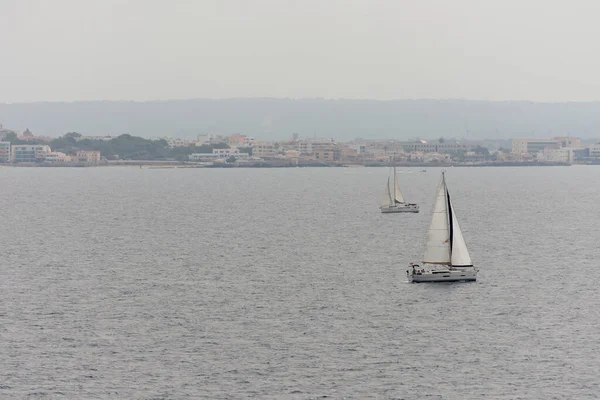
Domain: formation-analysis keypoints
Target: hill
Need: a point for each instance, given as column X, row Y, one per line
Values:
column 273, row 119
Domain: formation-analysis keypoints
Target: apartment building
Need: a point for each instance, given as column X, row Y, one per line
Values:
column 594, row 150
column 88, row 157
column 309, row 146
column 5, row 152
column 262, row 149
column 440, row 146
column 330, row 153
column 219, row 154
column 56, row 157
column 534, row 146
column 562, row 154
column 29, row 153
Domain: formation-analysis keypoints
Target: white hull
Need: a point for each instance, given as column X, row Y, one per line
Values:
column 413, row 208
column 454, row 275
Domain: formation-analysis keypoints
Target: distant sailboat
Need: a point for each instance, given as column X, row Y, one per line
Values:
column 395, row 203
column 446, row 256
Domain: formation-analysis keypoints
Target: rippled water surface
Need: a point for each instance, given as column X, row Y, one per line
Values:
column 289, row 284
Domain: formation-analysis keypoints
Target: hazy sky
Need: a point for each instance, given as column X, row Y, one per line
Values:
column 541, row 50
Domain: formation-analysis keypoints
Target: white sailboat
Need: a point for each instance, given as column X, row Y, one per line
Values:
column 395, row 203
column 446, row 256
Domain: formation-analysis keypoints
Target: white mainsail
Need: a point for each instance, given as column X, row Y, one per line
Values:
column 445, row 242
column 437, row 246
column 387, row 197
column 460, row 254
column 397, row 194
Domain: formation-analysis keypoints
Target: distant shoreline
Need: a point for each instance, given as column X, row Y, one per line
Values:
column 173, row 164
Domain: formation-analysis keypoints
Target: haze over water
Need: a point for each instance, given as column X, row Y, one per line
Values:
column 289, row 284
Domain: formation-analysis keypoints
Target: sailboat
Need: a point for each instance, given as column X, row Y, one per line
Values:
column 446, row 256
column 395, row 203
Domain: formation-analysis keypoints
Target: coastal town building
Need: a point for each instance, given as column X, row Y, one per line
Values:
column 240, row 141
column 219, row 154
column 98, row 138
column 568, row 141
column 439, row 146
column 218, row 148
column 563, row 154
column 28, row 153
column 88, row 157
column 56, row 157
column 387, row 147
column 534, row 146
column 27, row 136
column 594, row 151
column 563, row 149
column 330, row 153
column 263, row 149
column 350, row 155
column 309, row 146
column 5, row 156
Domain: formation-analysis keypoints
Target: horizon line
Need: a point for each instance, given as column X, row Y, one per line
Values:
column 241, row 98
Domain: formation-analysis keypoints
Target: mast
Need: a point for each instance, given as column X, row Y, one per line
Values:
column 449, row 214
column 395, row 179
column 459, row 254
column 387, row 198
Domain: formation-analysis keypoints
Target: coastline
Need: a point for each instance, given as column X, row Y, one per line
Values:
column 149, row 164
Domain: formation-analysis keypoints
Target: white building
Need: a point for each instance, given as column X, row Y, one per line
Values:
column 423, row 146
column 308, row 146
column 534, row 146
column 56, row 157
column 556, row 155
column 99, row 138
column 219, row 154
column 29, row 152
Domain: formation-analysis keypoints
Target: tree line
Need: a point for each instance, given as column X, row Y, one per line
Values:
column 123, row 147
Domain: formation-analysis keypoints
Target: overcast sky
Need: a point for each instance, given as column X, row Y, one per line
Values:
column 540, row 50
